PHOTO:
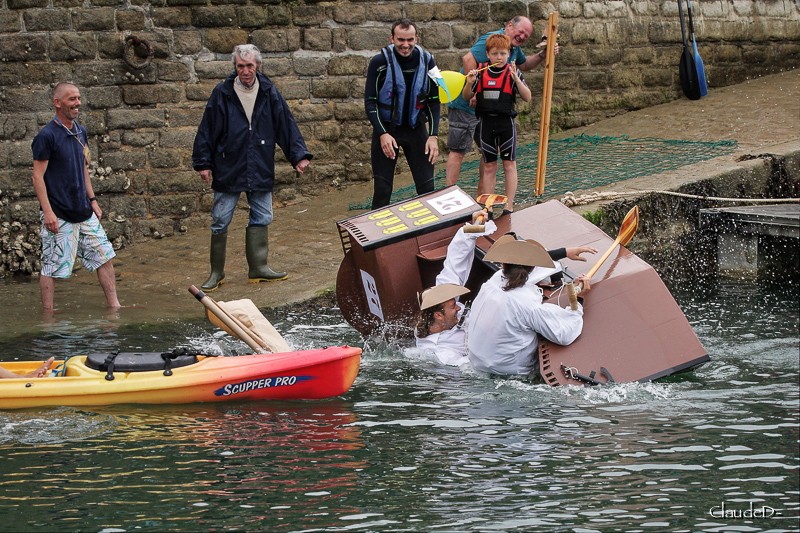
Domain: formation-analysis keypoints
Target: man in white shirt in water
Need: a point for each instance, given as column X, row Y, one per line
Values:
column 439, row 329
column 509, row 313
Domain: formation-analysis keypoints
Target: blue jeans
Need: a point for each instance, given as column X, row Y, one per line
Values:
column 225, row 204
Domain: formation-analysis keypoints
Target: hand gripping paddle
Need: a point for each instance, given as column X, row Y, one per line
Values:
column 489, row 201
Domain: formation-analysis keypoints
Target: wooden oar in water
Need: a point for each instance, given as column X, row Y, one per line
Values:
column 231, row 322
column 489, row 201
column 626, row 232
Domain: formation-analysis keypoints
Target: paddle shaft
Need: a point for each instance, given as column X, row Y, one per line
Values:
column 263, row 346
column 691, row 19
column 626, row 232
column 226, row 319
column 603, row 257
column 254, row 338
column 547, row 98
column 478, row 227
column 683, row 25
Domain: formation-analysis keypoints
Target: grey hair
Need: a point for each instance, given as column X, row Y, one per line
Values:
column 246, row 51
column 58, row 88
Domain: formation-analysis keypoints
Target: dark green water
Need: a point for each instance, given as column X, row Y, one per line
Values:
column 417, row 447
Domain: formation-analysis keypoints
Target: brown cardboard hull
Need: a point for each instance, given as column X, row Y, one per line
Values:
column 633, row 328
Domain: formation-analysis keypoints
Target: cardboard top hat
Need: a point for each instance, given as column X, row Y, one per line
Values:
column 508, row 250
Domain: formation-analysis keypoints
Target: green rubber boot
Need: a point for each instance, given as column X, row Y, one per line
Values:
column 256, row 250
column 218, row 244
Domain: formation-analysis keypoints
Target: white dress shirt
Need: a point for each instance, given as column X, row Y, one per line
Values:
column 450, row 346
column 503, row 328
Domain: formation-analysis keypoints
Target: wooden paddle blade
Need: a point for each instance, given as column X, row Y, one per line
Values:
column 626, row 232
column 489, row 199
column 629, row 226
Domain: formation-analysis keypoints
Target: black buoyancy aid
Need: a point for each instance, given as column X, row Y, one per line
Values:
column 495, row 92
column 392, row 94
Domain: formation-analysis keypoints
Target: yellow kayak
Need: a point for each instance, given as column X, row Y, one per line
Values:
column 172, row 378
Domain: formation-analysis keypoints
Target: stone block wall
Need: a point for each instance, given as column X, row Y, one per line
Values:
column 142, row 112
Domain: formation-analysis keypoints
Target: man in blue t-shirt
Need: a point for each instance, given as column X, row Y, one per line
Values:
column 461, row 113
column 70, row 213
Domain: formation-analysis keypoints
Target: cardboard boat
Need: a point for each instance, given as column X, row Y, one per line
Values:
column 633, row 328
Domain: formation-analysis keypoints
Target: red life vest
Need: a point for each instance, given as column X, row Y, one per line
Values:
column 495, row 92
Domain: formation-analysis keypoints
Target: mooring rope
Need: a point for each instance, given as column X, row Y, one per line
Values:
column 570, row 200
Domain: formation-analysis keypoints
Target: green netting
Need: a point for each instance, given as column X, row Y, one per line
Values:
column 584, row 162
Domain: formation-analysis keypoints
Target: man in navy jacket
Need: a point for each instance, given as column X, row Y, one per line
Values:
column 234, row 151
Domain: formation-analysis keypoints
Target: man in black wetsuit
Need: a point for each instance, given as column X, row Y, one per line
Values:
column 402, row 104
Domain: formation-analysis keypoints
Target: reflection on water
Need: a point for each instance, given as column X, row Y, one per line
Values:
column 417, row 447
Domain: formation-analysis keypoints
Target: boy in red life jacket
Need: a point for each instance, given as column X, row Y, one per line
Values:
column 496, row 86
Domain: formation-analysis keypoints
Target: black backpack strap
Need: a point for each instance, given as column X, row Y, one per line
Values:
column 109, row 363
column 169, row 357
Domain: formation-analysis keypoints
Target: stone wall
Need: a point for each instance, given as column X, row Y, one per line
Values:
column 142, row 112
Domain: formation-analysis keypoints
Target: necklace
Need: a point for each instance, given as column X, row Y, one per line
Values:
column 77, row 136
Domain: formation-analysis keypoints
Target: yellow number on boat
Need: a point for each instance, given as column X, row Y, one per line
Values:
column 419, row 212
column 395, row 229
column 380, row 214
column 426, row 220
column 388, row 221
column 408, row 207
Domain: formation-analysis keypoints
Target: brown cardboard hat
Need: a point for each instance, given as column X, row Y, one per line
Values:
column 508, row 250
column 440, row 294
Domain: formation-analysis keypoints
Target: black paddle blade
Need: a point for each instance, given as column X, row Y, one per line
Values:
column 687, row 70
column 702, row 83
column 688, row 75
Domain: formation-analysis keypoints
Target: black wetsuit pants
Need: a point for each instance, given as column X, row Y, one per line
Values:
column 412, row 142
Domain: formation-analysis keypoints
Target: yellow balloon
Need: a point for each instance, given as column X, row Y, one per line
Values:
column 454, row 81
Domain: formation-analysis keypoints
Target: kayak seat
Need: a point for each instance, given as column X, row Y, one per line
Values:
column 138, row 361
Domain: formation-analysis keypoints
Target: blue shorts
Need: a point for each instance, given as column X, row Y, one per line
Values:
column 85, row 240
